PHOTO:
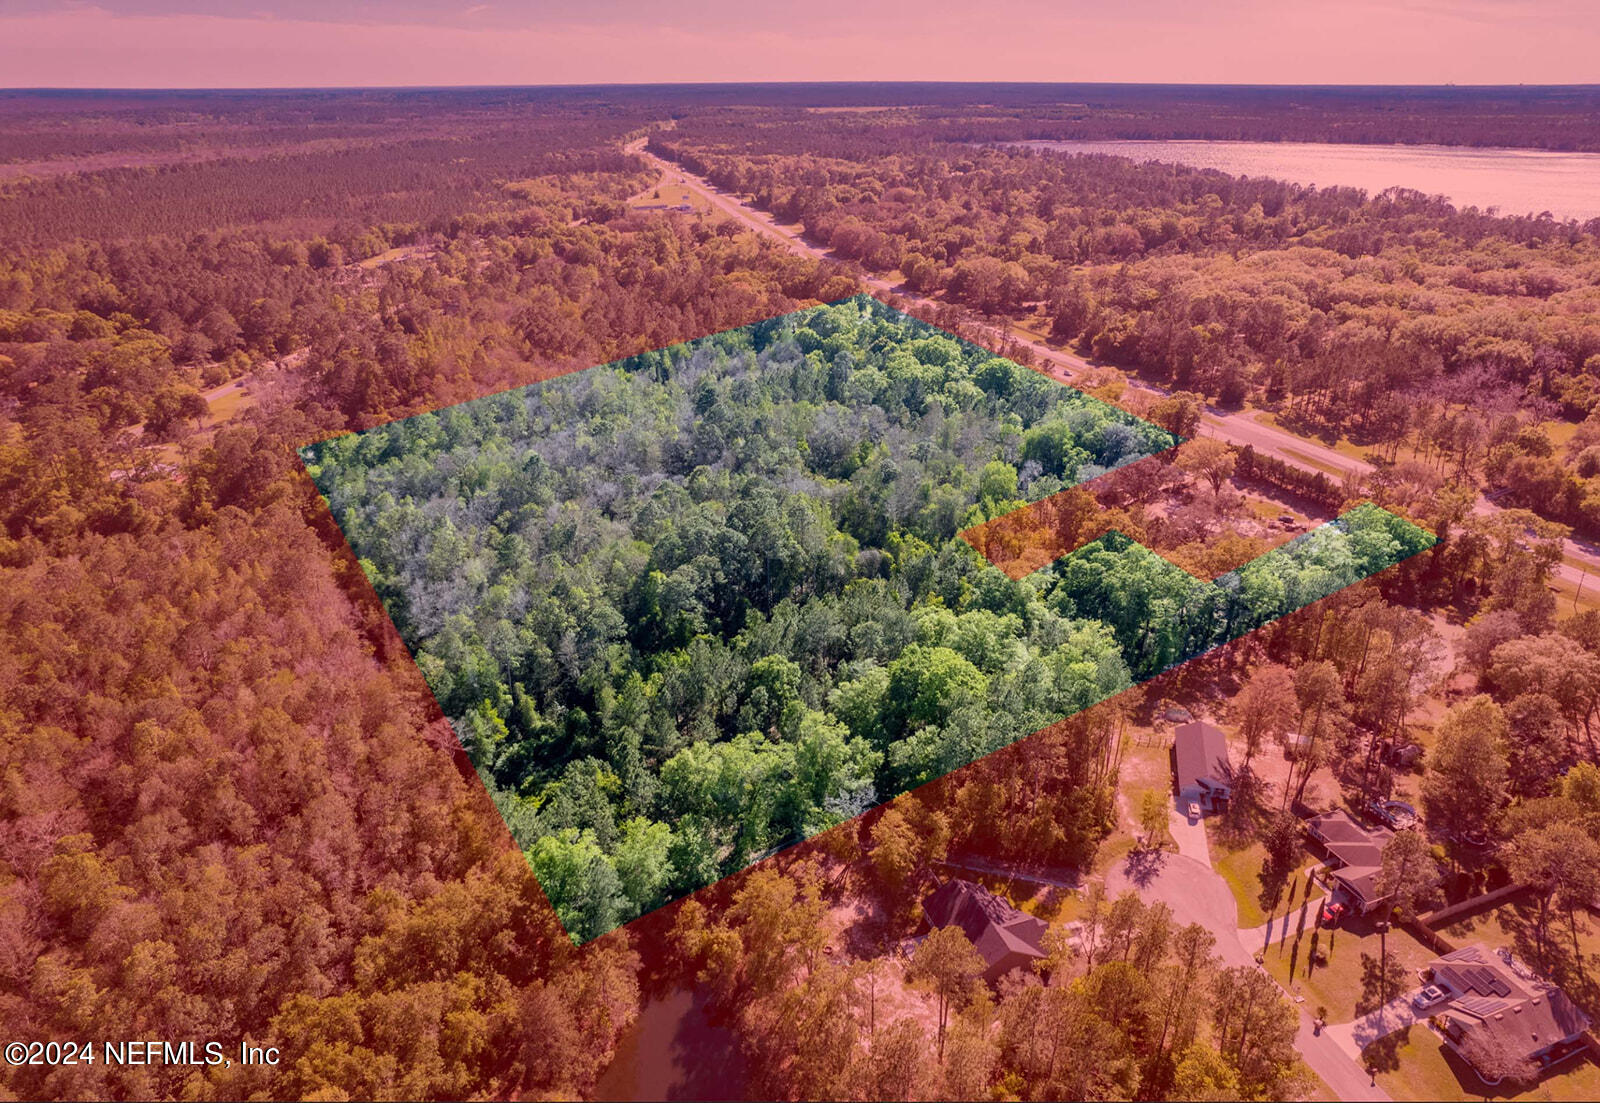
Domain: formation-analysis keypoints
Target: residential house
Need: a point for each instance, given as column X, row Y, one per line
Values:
column 1355, row 851
column 1201, row 772
column 1004, row 937
column 1498, row 1018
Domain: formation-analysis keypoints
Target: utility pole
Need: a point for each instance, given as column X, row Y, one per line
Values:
column 1383, row 969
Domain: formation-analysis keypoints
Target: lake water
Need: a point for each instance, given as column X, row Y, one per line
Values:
column 1516, row 181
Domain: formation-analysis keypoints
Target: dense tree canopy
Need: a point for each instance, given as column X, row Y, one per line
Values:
column 230, row 809
column 718, row 587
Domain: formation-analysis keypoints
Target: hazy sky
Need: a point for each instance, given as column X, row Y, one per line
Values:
column 260, row 43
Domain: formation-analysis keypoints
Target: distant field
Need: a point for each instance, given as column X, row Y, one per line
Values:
column 669, row 195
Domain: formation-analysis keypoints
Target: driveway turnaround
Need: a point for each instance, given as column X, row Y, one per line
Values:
column 1197, row 893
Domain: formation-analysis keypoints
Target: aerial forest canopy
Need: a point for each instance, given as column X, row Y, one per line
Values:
column 708, row 601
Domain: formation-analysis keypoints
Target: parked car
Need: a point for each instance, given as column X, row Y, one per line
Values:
column 1194, row 811
column 1428, row 997
column 1331, row 914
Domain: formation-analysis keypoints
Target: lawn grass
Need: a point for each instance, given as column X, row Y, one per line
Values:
column 1036, row 326
column 389, row 256
column 1121, row 843
column 1145, row 766
column 230, row 406
column 1560, row 431
column 1414, row 1064
column 1494, row 928
column 1268, row 509
column 1327, row 469
column 1241, row 868
column 1569, row 600
column 1337, row 985
column 1240, row 858
column 1344, row 446
column 1054, row 905
column 670, row 195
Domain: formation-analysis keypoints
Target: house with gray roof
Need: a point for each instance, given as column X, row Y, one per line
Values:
column 1497, row 1018
column 1355, row 852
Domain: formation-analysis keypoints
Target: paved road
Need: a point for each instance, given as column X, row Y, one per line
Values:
column 1239, row 428
column 1191, row 888
column 1196, row 893
column 1345, row 1075
column 1582, row 573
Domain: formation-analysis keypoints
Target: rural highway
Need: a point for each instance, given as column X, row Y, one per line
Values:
column 1238, row 428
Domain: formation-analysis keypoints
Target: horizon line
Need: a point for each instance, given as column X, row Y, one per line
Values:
column 70, row 88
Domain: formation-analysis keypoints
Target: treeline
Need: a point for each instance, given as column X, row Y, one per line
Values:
column 39, row 125
column 1540, row 118
column 1293, row 480
column 42, row 125
column 424, row 182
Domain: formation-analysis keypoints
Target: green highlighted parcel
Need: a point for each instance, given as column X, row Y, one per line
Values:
column 699, row 604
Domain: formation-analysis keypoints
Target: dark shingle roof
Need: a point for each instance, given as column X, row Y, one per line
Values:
column 1347, row 840
column 1357, row 849
column 1201, row 751
column 994, row 927
column 1522, row 1016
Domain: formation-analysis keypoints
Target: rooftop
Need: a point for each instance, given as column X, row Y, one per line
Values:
column 1201, row 751
column 1350, row 842
column 993, row 926
column 1518, row 1016
column 1357, row 849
